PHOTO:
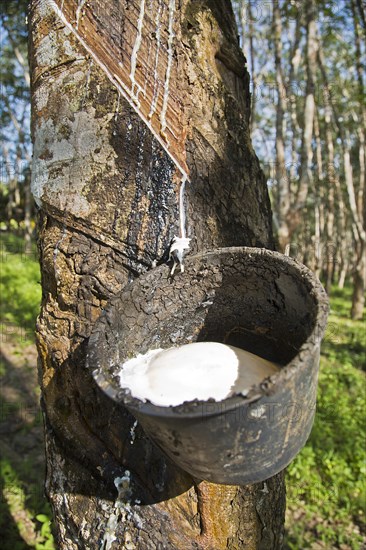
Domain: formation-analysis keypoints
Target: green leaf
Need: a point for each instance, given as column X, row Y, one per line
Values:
column 42, row 518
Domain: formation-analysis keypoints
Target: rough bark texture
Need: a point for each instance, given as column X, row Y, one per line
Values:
column 306, row 176
column 108, row 190
column 283, row 193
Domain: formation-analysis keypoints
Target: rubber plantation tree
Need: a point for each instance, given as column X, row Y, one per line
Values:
column 139, row 115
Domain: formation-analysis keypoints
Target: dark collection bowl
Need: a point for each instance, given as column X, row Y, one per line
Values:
column 255, row 299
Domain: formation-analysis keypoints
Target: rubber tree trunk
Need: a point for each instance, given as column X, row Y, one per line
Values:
column 306, row 175
column 126, row 99
column 283, row 187
column 359, row 277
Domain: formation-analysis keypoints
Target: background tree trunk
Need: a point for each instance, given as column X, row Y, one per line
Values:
column 359, row 277
column 283, row 194
column 246, row 20
column 108, row 186
column 306, row 175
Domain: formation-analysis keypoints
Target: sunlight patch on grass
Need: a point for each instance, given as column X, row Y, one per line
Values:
column 20, row 288
column 20, row 528
column 325, row 483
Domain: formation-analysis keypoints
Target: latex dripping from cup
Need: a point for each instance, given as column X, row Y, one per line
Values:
column 179, row 245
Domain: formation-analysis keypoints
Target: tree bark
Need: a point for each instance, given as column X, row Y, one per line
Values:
column 283, row 193
column 318, row 206
column 306, row 177
column 333, row 184
column 246, row 17
column 292, row 93
column 108, row 182
column 359, row 277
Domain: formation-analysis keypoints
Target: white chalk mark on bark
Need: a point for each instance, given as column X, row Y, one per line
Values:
column 182, row 211
column 136, row 47
column 155, row 97
column 117, row 106
column 78, row 11
column 168, row 68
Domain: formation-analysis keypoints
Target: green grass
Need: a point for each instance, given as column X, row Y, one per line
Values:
column 20, row 290
column 326, row 481
column 24, row 512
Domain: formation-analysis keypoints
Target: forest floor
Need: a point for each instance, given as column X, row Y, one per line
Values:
column 24, row 511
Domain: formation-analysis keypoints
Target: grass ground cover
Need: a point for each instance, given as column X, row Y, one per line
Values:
column 24, row 512
column 20, row 289
column 326, row 482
